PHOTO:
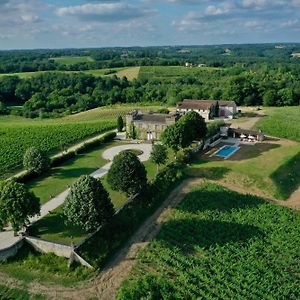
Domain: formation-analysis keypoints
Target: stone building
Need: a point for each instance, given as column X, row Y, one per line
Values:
column 147, row 125
column 207, row 108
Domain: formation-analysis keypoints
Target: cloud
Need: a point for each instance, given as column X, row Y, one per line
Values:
column 105, row 12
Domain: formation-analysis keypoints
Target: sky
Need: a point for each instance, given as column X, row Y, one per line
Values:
column 29, row 24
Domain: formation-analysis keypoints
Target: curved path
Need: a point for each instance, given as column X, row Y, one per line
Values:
column 7, row 238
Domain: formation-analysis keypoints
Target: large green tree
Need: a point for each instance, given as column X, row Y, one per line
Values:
column 36, row 160
column 88, row 204
column 195, row 126
column 127, row 174
column 173, row 136
column 159, row 155
column 17, row 204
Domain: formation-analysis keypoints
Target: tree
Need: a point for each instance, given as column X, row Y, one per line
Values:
column 159, row 155
column 120, row 124
column 36, row 160
column 132, row 132
column 88, row 204
column 127, row 174
column 172, row 136
column 17, row 204
column 195, row 127
column 217, row 109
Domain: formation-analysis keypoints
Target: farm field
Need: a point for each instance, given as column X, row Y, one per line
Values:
column 281, row 122
column 15, row 138
column 171, row 72
column 18, row 133
column 131, row 73
column 71, row 60
column 218, row 244
column 269, row 169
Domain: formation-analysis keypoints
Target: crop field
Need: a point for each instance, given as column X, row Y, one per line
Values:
column 15, row 138
column 71, row 60
column 17, row 133
column 171, row 72
column 130, row 73
column 111, row 112
column 218, row 244
column 281, row 122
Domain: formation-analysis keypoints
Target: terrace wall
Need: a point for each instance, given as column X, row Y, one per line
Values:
column 58, row 249
column 11, row 251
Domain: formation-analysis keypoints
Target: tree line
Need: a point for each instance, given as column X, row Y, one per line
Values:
column 215, row 56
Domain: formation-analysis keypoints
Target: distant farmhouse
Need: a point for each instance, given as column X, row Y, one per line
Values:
column 208, row 109
column 148, row 125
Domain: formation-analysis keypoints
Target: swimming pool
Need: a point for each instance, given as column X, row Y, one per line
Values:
column 226, row 151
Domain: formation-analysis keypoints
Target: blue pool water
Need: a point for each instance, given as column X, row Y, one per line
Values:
column 226, row 151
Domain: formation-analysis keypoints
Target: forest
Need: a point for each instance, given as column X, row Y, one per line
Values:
column 248, row 74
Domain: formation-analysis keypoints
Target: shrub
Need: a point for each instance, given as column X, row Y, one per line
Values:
column 88, row 204
column 127, row 174
column 36, row 160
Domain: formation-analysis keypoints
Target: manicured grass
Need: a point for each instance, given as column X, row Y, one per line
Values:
column 218, row 244
column 7, row 293
column 61, row 177
column 260, row 168
column 53, row 227
column 30, row 266
column 71, row 60
column 281, row 122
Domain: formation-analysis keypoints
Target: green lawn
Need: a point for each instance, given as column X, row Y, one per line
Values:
column 218, row 244
column 268, row 169
column 61, row 177
column 53, row 227
column 281, row 122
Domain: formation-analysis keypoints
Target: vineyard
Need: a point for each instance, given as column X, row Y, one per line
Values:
column 219, row 244
column 16, row 138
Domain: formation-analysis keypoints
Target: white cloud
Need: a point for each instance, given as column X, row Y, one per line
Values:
column 105, row 12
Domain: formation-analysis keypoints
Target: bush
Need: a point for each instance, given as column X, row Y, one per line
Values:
column 127, row 174
column 184, row 156
column 88, row 204
column 36, row 160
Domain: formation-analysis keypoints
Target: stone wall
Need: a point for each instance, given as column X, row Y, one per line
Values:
column 58, row 249
column 11, row 251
